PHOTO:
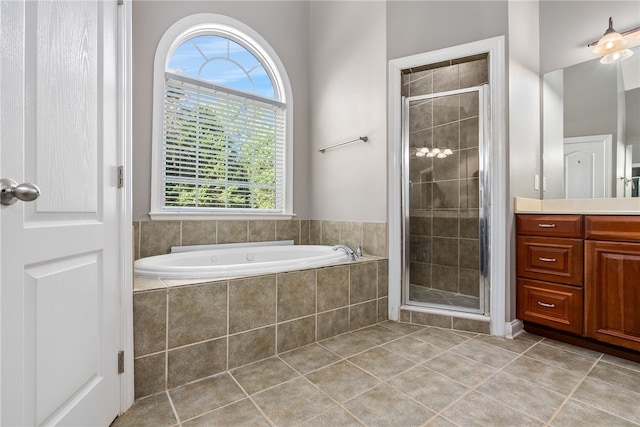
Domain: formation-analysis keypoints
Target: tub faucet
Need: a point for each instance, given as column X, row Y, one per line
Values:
column 347, row 250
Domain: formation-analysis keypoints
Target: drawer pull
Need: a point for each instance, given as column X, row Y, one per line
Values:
column 546, row 304
column 547, row 225
column 543, row 259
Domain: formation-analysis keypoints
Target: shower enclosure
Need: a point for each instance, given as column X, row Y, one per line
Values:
column 444, row 201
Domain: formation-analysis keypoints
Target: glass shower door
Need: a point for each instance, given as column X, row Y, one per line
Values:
column 443, row 198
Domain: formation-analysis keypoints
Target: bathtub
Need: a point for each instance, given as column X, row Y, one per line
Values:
column 237, row 261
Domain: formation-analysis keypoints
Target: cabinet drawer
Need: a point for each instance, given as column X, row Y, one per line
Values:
column 612, row 227
column 550, row 259
column 549, row 304
column 549, row 225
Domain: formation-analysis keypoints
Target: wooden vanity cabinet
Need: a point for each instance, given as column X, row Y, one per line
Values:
column 599, row 309
column 612, row 280
column 550, row 271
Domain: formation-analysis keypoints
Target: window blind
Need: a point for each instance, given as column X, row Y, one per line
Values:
column 223, row 149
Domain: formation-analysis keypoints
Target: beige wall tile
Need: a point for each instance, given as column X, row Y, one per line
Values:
column 470, row 282
column 364, row 281
column 315, row 232
column 232, row 231
column 430, row 319
column 471, row 325
column 374, row 240
column 383, row 278
column 304, row 232
column 351, row 234
column 196, row 361
column 149, row 322
column 149, row 374
column 296, row 333
column 252, row 346
column 331, row 233
column 197, row 313
column 405, row 316
column 262, row 231
column 332, row 323
column 198, row 232
column 296, row 294
column 383, row 309
column 157, row 237
column 333, row 287
column 361, row 315
column 288, row 230
column 252, row 303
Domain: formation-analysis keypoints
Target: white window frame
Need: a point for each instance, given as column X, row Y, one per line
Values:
column 208, row 24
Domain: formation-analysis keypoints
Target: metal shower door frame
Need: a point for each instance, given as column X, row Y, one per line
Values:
column 484, row 197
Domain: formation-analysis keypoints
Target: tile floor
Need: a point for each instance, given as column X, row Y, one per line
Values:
column 396, row 374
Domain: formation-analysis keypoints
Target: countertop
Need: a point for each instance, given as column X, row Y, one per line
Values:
column 621, row 206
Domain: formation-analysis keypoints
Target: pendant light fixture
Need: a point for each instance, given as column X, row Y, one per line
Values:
column 612, row 45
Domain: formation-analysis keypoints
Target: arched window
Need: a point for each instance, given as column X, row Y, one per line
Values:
column 222, row 123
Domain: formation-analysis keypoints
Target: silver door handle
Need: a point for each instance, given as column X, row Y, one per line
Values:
column 543, row 259
column 546, row 304
column 12, row 192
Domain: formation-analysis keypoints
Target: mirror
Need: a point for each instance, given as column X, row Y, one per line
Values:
column 591, row 130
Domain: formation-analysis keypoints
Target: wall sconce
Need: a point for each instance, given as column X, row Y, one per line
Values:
column 612, row 46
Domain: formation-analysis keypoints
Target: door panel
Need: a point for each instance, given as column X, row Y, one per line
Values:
column 65, row 52
column 63, row 328
column 60, row 266
column 587, row 166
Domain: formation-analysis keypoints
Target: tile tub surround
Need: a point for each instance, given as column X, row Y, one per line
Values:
column 185, row 332
column 156, row 237
column 395, row 374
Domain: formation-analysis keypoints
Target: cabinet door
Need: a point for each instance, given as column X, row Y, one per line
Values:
column 612, row 285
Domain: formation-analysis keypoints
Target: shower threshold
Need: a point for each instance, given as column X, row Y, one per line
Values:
column 421, row 295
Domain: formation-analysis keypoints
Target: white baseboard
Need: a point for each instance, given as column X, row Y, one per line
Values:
column 513, row 329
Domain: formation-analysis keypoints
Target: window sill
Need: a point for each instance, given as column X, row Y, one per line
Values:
column 199, row 216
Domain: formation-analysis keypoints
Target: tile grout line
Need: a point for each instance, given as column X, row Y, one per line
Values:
column 253, row 402
column 476, row 386
column 575, row 388
column 173, row 407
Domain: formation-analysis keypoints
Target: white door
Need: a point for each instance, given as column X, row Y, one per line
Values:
column 587, row 167
column 60, row 296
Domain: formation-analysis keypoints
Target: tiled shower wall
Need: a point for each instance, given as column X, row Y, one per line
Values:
column 444, row 201
column 157, row 237
column 184, row 333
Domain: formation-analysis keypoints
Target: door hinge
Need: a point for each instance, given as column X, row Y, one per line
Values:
column 121, row 362
column 120, row 176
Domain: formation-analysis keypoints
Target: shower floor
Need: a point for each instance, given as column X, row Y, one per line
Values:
column 434, row 296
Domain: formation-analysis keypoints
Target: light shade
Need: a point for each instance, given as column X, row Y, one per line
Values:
column 610, row 42
column 617, row 56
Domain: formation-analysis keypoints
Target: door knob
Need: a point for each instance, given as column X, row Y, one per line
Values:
column 11, row 191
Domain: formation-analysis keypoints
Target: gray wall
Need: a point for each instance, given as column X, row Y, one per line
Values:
column 284, row 25
column 348, row 83
column 632, row 130
column 590, row 100
column 421, row 26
